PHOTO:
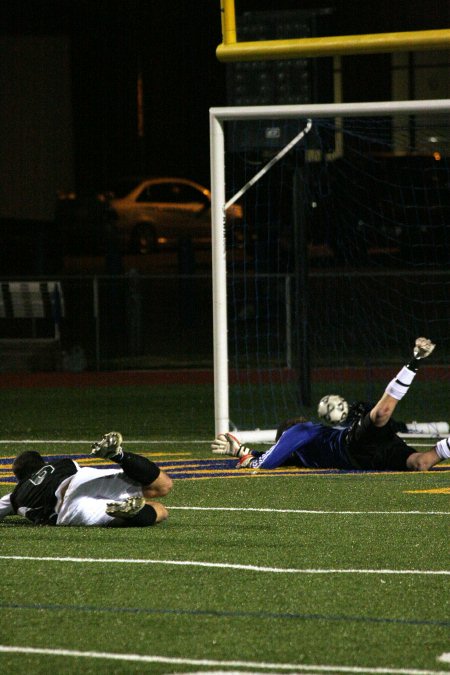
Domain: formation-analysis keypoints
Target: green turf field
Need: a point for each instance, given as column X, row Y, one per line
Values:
column 284, row 572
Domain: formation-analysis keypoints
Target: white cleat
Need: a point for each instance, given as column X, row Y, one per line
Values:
column 126, row 508
column 109, row 446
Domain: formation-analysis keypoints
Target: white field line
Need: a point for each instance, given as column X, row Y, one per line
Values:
column 245, row 509
column 144, row 441
column 89, row 442
column 218, row 565
column 248, row 665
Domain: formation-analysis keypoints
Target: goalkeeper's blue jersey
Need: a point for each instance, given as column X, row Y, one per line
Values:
column 315, row 445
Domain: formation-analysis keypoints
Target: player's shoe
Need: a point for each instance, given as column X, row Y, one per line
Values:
column 423, row 348
column 227, row 444
column 110, row 446
column 125, row 509
column 245, row 461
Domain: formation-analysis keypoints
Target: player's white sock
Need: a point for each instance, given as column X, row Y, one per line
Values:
column 399, row 386
column 443, row 448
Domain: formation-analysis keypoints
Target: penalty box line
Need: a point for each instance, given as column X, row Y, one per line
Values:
column 248, row 665
column 245, row 509
column 223, row 566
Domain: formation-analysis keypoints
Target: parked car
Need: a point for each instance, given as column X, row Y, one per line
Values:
column 153, row 213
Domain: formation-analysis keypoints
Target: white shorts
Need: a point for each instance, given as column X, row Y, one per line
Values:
column 88, row 492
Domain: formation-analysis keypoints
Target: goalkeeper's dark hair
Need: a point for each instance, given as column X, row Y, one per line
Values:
column 27, row 463
column 286, row 424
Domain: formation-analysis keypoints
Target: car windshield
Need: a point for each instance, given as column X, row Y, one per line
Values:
column 123, row 187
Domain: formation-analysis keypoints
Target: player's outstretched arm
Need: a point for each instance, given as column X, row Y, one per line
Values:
column 399, row 386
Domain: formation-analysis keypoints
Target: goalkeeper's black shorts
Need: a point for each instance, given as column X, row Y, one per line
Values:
column 377, row 448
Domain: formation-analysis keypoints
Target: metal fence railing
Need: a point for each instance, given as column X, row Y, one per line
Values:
column 136, row 321
column 111, row 322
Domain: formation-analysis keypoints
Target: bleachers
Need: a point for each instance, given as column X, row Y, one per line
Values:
column 30, row 317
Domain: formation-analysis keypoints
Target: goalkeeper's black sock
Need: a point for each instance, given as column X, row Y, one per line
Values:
column 138, row 468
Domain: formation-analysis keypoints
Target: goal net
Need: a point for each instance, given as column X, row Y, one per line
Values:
column 343, row 259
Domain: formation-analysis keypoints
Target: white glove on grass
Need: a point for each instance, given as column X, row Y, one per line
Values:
column 227, row 444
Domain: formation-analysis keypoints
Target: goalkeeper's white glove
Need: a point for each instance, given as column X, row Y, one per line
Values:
column 227, row 444
column 423, row 348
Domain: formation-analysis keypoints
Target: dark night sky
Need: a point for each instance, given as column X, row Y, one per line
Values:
column 174, row 42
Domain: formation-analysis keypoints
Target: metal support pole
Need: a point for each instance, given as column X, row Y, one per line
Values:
column 288, row 305
column 95, row 302
column 228, row 16
column 301, row 289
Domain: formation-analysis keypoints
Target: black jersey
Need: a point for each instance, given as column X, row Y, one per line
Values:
column 36, row 494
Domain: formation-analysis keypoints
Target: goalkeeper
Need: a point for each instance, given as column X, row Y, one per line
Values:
column 60, row 492
column 369, row 443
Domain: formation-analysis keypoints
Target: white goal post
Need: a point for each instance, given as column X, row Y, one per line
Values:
column 218, row 119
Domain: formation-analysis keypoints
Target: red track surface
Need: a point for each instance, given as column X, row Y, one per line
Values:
column 186, row 376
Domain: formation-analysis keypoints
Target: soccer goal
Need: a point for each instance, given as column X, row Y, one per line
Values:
column 343, row 259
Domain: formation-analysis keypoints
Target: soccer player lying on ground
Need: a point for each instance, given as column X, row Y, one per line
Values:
column 369, row 443
column 60, row 492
